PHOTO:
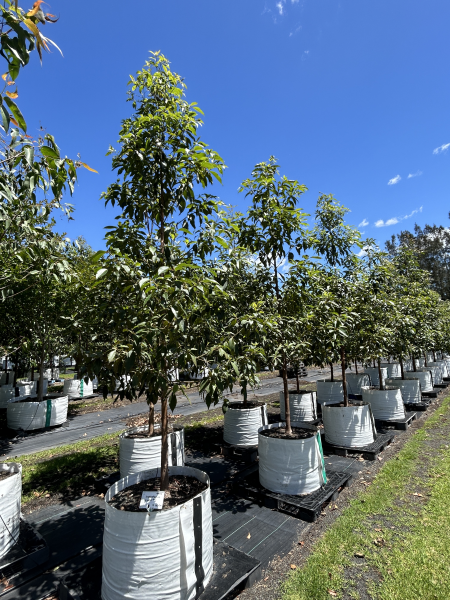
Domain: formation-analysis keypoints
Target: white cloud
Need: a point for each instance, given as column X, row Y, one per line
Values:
column 280, row 7
column 362, row 252
column 395, row 220
column 305, row 54
column 363, row 223
column 294, row 1
column 416, row 174
column 394, row 180
column 442, row 148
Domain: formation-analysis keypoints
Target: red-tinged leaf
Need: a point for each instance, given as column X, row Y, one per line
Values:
column 49, row 19
column 12, row 119
column 35, row 8
column 88, row 167
column 4, row 76
column 12, row 95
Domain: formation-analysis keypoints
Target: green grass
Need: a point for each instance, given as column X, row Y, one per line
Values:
column 404, row 539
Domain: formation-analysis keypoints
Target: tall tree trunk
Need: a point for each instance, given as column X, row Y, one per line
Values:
column 380, row 376
column 374, row 363
column 287, row 405
column 16, row 369
column 151, row 418
column 414, row 363
column 164, row 445
column 425, row 357
column 356, row 366
column 298, row 381
column 332, row 372
column 244, row 392
column 344, row 379
column 434, row 355
column 401, row 366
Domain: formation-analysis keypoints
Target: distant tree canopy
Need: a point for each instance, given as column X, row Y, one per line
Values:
column 431, row 244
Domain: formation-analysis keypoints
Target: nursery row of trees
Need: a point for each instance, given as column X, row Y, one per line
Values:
column 185, row 284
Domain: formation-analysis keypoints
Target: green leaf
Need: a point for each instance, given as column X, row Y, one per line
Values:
column 49, row 152
column 97, row 256
column 100, row 273
column 162, row 270
column 5, row 118
column 16, row 113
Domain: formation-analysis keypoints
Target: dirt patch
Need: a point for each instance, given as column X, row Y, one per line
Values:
column 6, row 474
column 181, row 489
column 242, row 406
column 298, row 433
column 144, row 434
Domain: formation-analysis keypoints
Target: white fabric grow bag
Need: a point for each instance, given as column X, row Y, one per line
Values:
column 153, row 555
column 10, row 497
column 407, row 365
column 442, row 366
column 386, row 405
column 372, row 372
column 36, row 415
column 240, row 425
column 7, row 394
column 421, row 362
column 142, row 454
column 349, row 426
column 77, row 388
column 303, row 406
column 410, row 389
column 330, row 391
column 291, row 466
column 355, row 381
column 435, row 373
column 393, row 369
column 424, row 377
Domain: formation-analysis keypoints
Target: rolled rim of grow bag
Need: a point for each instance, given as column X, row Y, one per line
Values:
column 425, row 378
column 144, row 453
column 78, row 388
column 303, row 406
column 291, row 466
column 161, row 554
column 410, row 388
column 240, row 425
column 372, row 372
column 10, row 502
column 350, row 426
column 387, row 404
column 393, row 369
column 355, row 381
column 31, row 414
column 329, row 391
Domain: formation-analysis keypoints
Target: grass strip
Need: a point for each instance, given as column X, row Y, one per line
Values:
column 400, row 540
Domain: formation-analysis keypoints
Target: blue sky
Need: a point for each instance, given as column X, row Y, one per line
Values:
column 351, row 96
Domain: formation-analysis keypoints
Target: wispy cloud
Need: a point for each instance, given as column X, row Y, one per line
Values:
column 395, row 220
column 363, row 223
column 296, row 30
column 280, row 7
column 442, row 148
column 394, row 180
column 305, row 54
column 416, row 174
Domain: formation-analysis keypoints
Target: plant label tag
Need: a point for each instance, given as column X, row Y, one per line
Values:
column 152, row 501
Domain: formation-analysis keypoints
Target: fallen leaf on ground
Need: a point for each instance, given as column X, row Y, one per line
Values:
column 249, row 536
column 293, row 566
column 416, row 494
column 359, row 555
column 301, row 543
column 379, row 542
column 332, row 592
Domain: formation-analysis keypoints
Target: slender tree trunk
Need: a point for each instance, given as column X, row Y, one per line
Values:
column 344, row 379
column 374, row 363
column 287, row 405
column 380, row 376
column 298, row 381
column 434, row 355
column 151, row 419
column 414, row 363
column 244, row 392
column 16, row 369
column 401, row 366
column 164, row 445
column 41, row 375
column 425, row 357
column 332, row 372
column 6, row 370
column 356, row 366
column 32, row 371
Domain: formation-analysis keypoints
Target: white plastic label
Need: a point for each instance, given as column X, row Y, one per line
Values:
column 152, row 501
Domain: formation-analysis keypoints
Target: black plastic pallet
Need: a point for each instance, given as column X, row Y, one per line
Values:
column 433, row 394
column 29, row 552
column 307, row 507
column 89, row 397
column 233, row 571
column 246, row 453
column 441, row 386
column 369, row 452
column 400, row 424
column 416, row 406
